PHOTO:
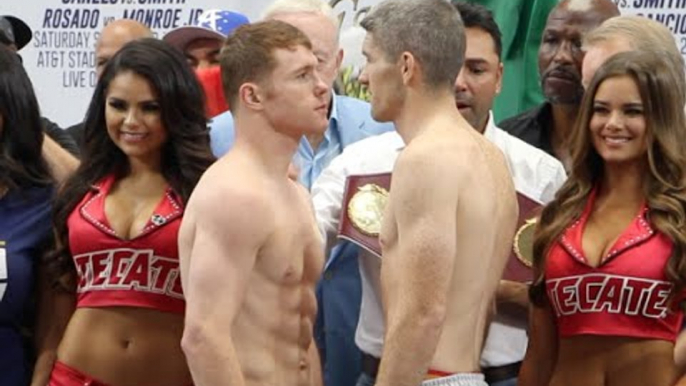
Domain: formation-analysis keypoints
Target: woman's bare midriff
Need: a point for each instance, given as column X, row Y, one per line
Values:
column 614, row 361
column 126, row 346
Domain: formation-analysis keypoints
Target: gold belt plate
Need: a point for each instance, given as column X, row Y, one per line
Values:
column 366, row 207
column 524, row 242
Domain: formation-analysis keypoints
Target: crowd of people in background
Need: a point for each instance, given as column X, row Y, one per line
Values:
column 221, row 216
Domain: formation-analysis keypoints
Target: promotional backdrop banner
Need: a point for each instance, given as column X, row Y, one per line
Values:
column 671, row 13
column 60, row 59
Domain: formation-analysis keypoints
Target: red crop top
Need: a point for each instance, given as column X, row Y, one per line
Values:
column 141, row 272
column 626, row 295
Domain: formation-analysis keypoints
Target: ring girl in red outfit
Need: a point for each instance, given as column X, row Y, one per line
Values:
column 609, row 250
column 119, row 317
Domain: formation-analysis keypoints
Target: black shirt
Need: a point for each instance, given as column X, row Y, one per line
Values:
column 60, row 136
column 533, row 127
column 76, row 132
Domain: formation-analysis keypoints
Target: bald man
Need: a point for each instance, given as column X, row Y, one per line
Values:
column 112, row 38
column 548, row 125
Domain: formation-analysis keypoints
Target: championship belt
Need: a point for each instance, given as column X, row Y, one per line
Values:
column 520, row 264
column 364, row 202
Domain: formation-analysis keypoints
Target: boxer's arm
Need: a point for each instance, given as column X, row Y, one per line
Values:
column 222, row 255
column 417, row 271
column 541, row 353
column 316, row 378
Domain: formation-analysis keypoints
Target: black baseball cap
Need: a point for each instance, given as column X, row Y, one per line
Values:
column 14, row 31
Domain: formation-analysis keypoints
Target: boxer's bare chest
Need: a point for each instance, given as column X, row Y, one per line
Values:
column 293, row 253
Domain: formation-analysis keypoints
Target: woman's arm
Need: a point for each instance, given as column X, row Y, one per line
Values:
column 541, row 354
column 55, row 308
column 680, row 357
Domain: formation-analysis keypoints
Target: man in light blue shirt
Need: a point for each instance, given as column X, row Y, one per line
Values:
column 339, row 290
column 349, row 121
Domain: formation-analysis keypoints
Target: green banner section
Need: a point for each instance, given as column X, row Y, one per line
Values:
column 521, row 23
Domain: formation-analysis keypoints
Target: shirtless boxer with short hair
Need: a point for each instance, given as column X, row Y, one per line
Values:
column 452, row 210
column 250, row 250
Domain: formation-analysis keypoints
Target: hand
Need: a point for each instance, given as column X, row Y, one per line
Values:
column 513, row 292
column 512, row 298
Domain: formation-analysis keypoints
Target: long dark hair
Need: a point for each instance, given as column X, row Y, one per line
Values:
column 21, row 134
column 185, row 155
column 664, row 182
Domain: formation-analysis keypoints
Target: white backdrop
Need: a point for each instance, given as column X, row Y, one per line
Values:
column 61, row 61
column 671, row 13
column 60, row 58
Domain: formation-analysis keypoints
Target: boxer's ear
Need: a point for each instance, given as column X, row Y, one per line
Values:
column 408, row 67
column 250, row 96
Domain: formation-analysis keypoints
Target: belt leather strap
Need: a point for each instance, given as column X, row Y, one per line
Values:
column 501, row 373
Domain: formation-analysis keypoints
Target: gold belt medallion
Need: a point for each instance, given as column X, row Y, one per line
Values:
column 365, row 209
column 524, row 242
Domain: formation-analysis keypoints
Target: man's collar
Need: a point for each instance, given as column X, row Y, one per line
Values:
column 544, row 113
column 333, row 111
column 332, row 129
column 396, row 140
column 489, row 131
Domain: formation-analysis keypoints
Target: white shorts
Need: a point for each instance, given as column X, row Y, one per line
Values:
column 458, row 380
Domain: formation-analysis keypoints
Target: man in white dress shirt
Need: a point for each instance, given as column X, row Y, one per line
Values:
column 535, row 173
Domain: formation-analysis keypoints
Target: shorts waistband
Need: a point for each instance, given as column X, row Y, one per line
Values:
column 370, row 366
column 461, row 379
column 64, row 375
column 433, row 374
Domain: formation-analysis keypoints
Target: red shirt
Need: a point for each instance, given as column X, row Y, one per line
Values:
column 141, row 272
column 626, row 295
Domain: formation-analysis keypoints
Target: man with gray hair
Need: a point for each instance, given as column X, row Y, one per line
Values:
column 630, row 33
column 536, row 175
column 339, row 290
column 447, row 227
